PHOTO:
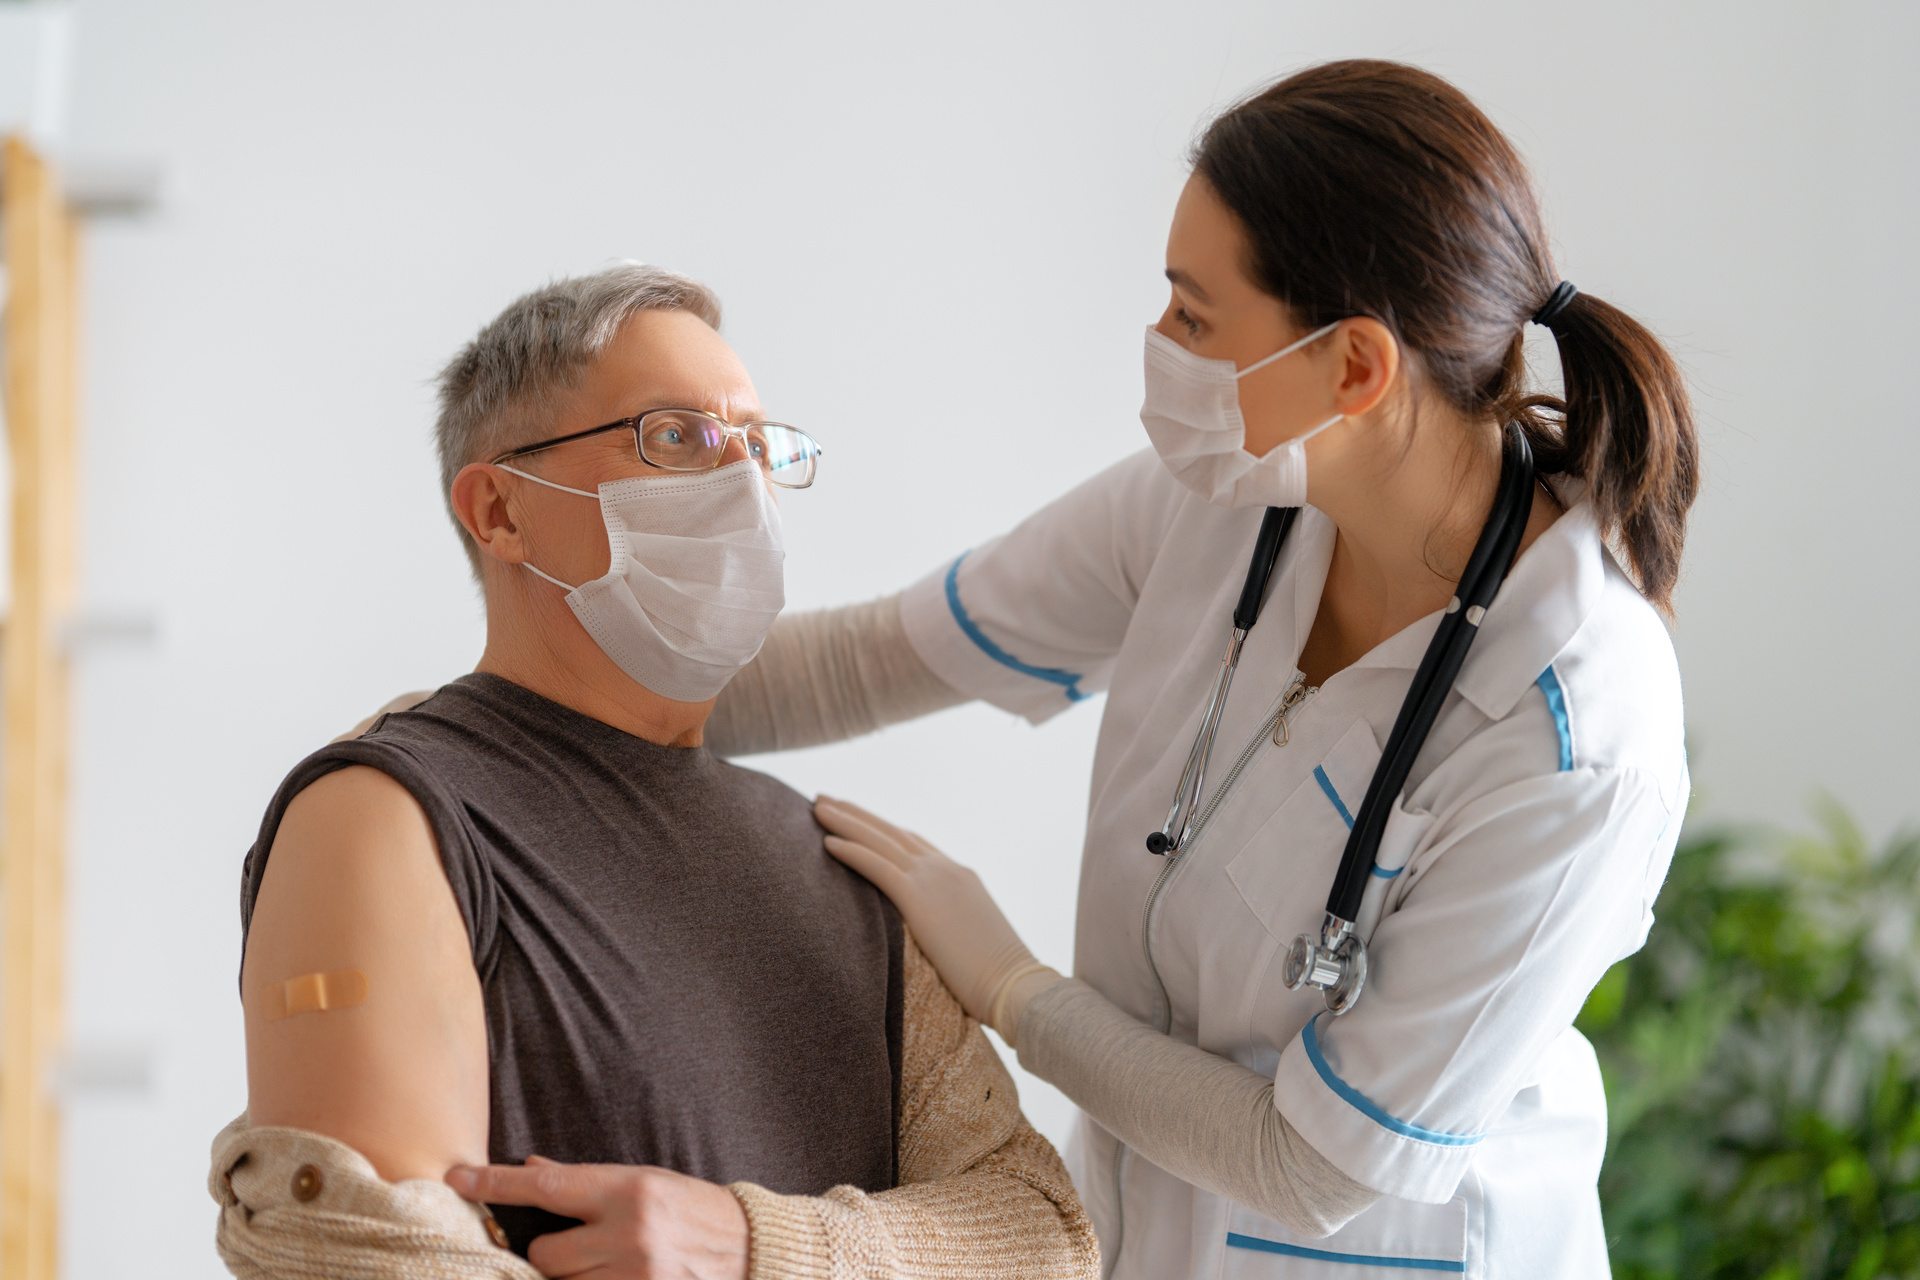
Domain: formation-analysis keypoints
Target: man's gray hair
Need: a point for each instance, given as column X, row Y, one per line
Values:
column 499, row 392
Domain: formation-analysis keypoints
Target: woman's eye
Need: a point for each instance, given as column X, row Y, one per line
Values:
column 1193, row 326
column 670, row 436
column 756, row 449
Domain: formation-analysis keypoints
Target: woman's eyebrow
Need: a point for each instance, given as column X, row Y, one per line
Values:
column 1184, row 281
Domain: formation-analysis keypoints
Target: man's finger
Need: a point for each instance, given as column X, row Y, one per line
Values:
column 567, row 1253
column 567, row 1189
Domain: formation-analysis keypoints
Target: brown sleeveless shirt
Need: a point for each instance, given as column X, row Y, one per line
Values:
column 675, row 971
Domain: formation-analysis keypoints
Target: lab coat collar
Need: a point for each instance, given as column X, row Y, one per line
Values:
column 1545, row 600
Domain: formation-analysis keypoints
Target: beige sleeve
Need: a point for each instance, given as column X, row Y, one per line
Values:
column 981, row 1193
column 826, row 676
column 296, row 1205
column 1195, row 1114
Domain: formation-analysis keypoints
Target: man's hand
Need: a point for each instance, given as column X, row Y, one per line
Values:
column 637, row 1222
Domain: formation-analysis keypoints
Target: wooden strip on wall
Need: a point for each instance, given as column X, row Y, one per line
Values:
column 40, row 242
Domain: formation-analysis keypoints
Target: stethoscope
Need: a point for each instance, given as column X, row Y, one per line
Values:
column 1336, row 964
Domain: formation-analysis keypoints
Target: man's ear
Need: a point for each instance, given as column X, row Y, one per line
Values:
column 480, row 504
column 1367, row 360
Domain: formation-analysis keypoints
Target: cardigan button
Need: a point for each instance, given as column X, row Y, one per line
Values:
column 307, row 1183
column 497, row 1233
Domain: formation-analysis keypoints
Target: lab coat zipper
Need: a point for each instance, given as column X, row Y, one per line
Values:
column 1298, row 694
column 1274, row 727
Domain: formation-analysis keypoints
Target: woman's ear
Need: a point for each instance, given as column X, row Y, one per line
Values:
column 480, row 504
column 1367, row 360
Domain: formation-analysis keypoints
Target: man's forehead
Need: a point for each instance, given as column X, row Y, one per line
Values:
column 733, row 403
column 672, row 360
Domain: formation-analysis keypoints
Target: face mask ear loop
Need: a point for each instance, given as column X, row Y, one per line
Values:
column 1317, row 334
column 527, row 475
column 551, row 485
column 549, row 577
column 1306, row 436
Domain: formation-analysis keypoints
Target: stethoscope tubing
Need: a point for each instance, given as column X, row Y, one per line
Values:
column 1274, row 528
column 1487, row 568
column 1337, row 962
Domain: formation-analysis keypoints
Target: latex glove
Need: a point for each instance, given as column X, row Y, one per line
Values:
column 637, row 1222
column 955, row 921
column 405, row 702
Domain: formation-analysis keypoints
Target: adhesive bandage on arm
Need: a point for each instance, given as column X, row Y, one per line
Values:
column 312, row 993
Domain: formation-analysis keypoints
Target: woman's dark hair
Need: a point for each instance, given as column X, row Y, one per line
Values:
column 1378, row 189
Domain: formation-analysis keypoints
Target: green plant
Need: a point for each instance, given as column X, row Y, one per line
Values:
column 1762, row 1062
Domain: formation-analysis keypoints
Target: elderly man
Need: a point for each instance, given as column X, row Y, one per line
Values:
column 530, row 942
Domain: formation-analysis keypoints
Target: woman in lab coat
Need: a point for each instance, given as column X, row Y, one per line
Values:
column 1366, row 224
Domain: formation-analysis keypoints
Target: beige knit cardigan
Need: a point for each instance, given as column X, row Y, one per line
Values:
column 981, row 1193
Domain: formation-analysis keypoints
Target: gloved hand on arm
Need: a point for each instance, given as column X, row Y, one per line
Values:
column 1217, row 1127
column 952, row 916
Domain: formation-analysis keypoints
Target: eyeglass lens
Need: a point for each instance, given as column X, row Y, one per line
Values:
column 679, row 441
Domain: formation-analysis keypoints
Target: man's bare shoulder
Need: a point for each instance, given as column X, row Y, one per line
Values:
column 349, row 843
column 348, row 806
column 353, row 885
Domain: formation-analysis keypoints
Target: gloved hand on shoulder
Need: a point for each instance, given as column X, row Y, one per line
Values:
column 955, row 921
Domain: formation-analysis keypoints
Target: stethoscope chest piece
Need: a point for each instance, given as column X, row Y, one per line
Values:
column 1336, row 964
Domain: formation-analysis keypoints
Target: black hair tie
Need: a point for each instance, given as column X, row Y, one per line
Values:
column 1556, row 303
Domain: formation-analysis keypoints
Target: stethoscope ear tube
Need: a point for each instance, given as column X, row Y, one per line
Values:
column 1274, row 527
column 1487, row 568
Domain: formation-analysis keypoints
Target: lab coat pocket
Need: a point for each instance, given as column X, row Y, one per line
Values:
column 1398, row 841
column 1284, row 872
column 1392, row 1236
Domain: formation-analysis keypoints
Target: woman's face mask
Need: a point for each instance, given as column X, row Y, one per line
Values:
column 1192, row 415
column 694, row 580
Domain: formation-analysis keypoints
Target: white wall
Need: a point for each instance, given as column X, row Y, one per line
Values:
column 931, row 225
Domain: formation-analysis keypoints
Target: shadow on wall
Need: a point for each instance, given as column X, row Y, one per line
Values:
column 1762, row 1063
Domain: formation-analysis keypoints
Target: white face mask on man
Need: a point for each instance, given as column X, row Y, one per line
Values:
column 1192, row 415
column 694, row 581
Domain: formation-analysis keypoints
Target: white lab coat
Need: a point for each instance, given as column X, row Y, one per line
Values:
column 1534, row 834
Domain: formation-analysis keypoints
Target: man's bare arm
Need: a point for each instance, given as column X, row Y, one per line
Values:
column 354, row 882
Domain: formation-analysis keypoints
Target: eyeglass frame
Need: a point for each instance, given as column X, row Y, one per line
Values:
column 730, row 431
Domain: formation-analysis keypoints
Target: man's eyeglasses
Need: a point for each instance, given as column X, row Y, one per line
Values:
column 692, row 440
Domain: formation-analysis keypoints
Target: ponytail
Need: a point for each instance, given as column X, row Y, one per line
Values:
column 1626, row 429
column 1378, row 189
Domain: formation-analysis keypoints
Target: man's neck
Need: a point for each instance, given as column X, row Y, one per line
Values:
column 549, row 653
